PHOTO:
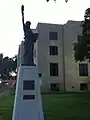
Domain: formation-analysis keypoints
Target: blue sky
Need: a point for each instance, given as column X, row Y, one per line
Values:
column 11, row 32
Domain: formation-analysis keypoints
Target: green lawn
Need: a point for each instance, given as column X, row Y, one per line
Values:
column 68, row 106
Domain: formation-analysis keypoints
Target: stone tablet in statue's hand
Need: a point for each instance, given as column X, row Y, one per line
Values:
column 35, row 37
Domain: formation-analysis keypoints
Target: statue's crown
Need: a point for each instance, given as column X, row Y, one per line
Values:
column 28, row 23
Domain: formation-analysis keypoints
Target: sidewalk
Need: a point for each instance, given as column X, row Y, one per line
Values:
column 4, row 92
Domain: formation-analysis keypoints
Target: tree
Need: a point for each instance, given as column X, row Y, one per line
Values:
column 82, row 46
column 1, row 61
column 55, row 0
column 7, row 66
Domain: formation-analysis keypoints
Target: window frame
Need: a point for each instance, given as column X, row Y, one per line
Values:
column 84, row 71
column 54, row 70
column 53, row 50
column 52, row 35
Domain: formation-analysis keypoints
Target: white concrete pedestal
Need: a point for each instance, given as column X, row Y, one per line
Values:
column 28, row 103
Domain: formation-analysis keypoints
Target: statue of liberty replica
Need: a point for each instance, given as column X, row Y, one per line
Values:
column 29, row 40
column 28, row 102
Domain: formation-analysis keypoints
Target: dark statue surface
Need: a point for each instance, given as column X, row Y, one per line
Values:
column 29, row 40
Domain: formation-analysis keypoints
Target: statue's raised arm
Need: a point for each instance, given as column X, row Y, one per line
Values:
column 22, row 11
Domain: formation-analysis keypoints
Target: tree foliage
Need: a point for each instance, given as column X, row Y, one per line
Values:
column 82, row 47
column 7, row 66
column 55, row 1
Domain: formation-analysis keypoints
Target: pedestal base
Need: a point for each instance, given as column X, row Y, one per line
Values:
column 28, row 103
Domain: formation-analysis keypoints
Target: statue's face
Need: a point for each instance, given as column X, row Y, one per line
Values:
column 28, row 24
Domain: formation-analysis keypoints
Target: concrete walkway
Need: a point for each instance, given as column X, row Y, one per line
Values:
column 4, row 92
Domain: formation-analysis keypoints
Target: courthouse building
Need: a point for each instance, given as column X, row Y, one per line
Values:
column 53, row 56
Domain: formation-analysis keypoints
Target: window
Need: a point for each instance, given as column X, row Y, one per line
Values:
column 83, row 87
column 53, row 50
column 53, row 69
column 83, row 69
column 54, row 87
column 53, row 36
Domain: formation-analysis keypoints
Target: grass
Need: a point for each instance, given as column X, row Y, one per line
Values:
column 6, row 106
column 68, row 106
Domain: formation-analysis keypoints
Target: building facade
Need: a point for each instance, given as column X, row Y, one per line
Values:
column 77, row 75
column 53, row 55
column 49, row 56
column 20, row 54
